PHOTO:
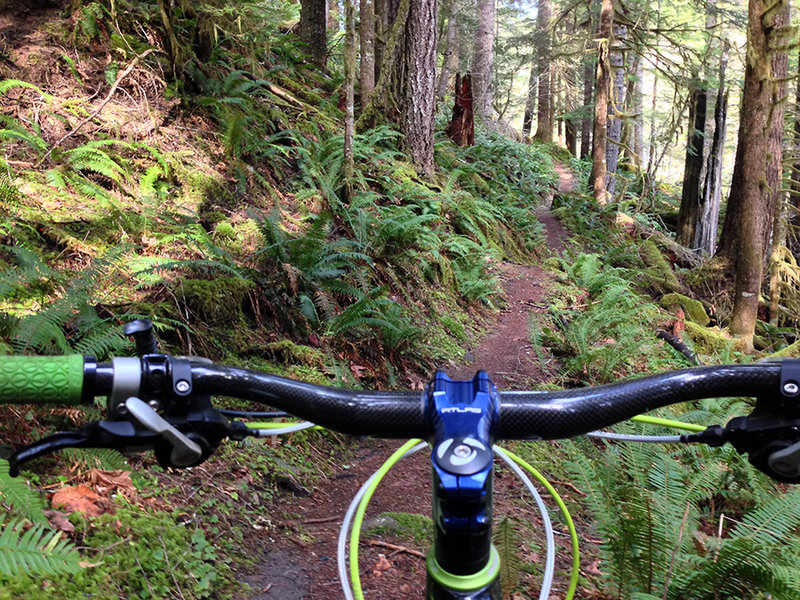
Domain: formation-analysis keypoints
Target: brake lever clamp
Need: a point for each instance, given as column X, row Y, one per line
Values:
column 770, row 435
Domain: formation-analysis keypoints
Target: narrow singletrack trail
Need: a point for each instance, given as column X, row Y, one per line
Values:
column 506, row 353
column 300, row 543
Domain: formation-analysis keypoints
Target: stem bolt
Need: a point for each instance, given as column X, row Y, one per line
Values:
column 790, row 388
column 183, row 386
column 462, row 451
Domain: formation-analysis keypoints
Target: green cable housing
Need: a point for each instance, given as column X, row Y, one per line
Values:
column 41, row 379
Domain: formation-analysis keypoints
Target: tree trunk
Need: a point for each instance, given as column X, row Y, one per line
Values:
column 420, row 98
column 379, row 100
column 637, row 105
column 708, row 219
column 314, row 29
column 616, row 107
column 349, row 92
column 367, row 30
column 589, row 76
column 483, row 58
column 530, row 103
column 749, row 220
column 382, row 27
column 462, row 126
column 693, row 165
column 544, row 125
column 450, row 60
column 598, row 177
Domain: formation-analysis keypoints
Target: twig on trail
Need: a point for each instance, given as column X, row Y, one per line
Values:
column 324, row 520
column 569, row 485
column 120, row 76
column 394, row 547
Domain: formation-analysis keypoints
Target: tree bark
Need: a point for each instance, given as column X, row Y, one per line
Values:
column 616, row 106
column 450, row 60
column 749, row 220
column 598, row 176
column 367, row 31
column 483, row 58
column 637, row 104
column 544, row 124
column 530, row 103
column 708, row 220
column 379, row 101
column 314, row 29
column 349, row 87
column 589, row 76
column 420, row 98
column 693, row 165
column 462, row 125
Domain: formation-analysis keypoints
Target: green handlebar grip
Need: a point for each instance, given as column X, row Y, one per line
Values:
column 41, row 379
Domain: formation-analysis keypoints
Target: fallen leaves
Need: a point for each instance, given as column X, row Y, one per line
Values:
column 80, row 498
column 381, row 565
column 91, row 501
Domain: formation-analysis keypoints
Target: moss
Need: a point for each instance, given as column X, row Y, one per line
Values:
column 217, row 301
column 454, row 328
column 286, row 351
column 790, row 351
column 660, row 274
column 693, row 308
column 709, row 340
column 418, row 528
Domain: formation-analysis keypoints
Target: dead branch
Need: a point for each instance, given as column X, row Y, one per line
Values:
column 394, row 547
column 120, row 76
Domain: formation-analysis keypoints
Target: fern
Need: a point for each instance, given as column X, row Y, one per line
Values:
column 35, row 550
column 17, row 495
column 95, row 458
column 505, row 540
column 9, row 84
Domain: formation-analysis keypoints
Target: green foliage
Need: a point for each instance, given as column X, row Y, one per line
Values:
column 27, row 543
column 649, row 505
column 64, row 322
column 19, row 498
column 609, row 335
column 505, row 540
column 159, row 559
column 34, row 550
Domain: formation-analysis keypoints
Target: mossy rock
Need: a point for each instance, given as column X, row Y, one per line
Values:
column 218, row 301
column 659, row 272
column 709, row 340
column 694, row 309
column 790, row 351
column 286, row 351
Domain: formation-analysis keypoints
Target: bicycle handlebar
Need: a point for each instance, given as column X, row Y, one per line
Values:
column 521, row 415
column 180, row 390
column 567, row 413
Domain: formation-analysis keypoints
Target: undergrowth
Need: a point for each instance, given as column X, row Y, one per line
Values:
column 214, row 205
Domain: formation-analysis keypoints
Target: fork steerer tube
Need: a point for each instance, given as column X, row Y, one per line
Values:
column 463, row 414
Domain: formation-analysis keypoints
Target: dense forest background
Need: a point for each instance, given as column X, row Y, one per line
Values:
column 336, row 193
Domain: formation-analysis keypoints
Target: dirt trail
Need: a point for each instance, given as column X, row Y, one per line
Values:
column 301, row 561
column 506, row 352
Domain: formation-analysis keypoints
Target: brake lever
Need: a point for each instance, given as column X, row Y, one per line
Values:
column 201, row 431
column 770, row 435
column 117, row 435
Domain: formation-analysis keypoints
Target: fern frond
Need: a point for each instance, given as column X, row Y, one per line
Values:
column 34, row 141
column 505, row 540
column 35, row 550
column 16, row 494
column 9, row 84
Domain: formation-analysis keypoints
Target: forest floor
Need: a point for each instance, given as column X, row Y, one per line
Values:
column 301, row 562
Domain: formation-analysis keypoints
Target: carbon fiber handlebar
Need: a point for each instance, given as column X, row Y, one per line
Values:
column 521, row 415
